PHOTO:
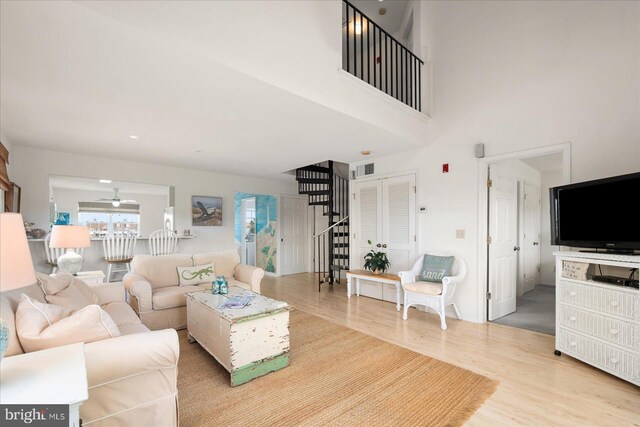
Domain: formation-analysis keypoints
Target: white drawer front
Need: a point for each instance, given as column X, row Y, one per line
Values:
column 619, row 362
column 623, row 333
column 608, row 301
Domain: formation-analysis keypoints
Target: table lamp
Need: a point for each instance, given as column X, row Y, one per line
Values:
column 16, row 266
column 70, row 237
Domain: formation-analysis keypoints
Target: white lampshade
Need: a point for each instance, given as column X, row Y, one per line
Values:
column 70, row 236
column 16, row 266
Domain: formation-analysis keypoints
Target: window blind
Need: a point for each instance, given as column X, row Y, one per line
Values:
column 108, row 208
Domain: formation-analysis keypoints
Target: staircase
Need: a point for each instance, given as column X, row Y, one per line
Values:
column 329, row 191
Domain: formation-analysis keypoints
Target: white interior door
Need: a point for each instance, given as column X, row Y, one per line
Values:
column 399, row 221
column 367, row 221
column 531, row 238
column 293, row 235
column 503, row 247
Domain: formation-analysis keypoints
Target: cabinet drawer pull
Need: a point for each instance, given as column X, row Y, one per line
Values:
column 572, row 343
column 614, row 360
column 572, row 294
column 613, row 332
column 614, row 303
column 572, row 318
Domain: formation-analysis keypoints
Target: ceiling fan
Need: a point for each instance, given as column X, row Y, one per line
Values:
column 115, row 200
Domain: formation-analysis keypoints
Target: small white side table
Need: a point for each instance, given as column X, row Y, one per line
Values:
column 48, row 377
column 91, row 276
column 391, row 279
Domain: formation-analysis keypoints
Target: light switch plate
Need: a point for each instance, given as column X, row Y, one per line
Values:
column 459, row 234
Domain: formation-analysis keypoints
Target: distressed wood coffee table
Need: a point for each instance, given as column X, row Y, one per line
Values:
column 249, row 342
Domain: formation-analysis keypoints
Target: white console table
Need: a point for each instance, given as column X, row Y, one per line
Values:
column 599, row 323
column 357, row 275
column 91, row 276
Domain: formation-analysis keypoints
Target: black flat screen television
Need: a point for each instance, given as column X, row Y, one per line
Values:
column 599, row 214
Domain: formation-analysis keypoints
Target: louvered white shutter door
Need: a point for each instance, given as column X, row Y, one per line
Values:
column 368, row 209
column 398, row 221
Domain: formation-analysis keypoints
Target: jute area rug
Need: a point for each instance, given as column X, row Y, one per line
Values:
column 337, row 377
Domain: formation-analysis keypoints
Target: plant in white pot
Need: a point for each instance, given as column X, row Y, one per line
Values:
column 376, row 261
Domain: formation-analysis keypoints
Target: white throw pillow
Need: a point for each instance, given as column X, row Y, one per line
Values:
column 66, row 290
column 197, row 274
column 40, row 326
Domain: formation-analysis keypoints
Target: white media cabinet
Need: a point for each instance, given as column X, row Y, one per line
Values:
column 599, row 323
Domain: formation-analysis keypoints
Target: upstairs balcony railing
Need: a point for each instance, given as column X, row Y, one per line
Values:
column 375, row 56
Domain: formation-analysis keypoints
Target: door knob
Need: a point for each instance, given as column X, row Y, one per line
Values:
column 516, row 248
column 535, row 243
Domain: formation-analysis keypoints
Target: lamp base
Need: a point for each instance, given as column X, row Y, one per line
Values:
column 70, row 262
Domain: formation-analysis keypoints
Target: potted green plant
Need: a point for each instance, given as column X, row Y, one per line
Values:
column 376, row 261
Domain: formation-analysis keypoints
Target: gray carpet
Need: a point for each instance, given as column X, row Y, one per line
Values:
column 535, row 311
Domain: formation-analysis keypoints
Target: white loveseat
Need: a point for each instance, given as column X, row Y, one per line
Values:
column 154, row 292
column 132, row 378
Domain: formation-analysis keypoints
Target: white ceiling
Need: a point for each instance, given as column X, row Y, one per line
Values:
column 76, row 183
column 391, row 21
column 78, row 81
column 545, row 163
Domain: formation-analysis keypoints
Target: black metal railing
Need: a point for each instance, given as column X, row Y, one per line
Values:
column 375, row 56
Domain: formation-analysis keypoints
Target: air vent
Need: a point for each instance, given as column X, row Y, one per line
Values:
column 364, row 170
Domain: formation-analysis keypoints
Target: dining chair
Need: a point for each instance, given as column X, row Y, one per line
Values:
column 118, row 250
column 163, row 242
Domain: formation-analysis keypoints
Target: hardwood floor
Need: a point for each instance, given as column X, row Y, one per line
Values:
column 536, row 387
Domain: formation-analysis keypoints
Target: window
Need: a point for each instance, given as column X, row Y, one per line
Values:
column 103, row 219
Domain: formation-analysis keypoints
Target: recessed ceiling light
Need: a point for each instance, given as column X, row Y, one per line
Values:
column 105, row 181
column 365, row 152
column 134, row 137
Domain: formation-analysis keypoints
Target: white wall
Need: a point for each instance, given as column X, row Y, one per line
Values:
column 292, row 45
column 515, row 76
column 551, row 178
column 32, row 167
column 151, row 206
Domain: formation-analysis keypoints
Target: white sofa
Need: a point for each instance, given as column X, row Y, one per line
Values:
column 154, row 292
column 132, row 378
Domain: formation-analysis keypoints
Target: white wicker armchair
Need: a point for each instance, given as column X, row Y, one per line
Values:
column 432, row 295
